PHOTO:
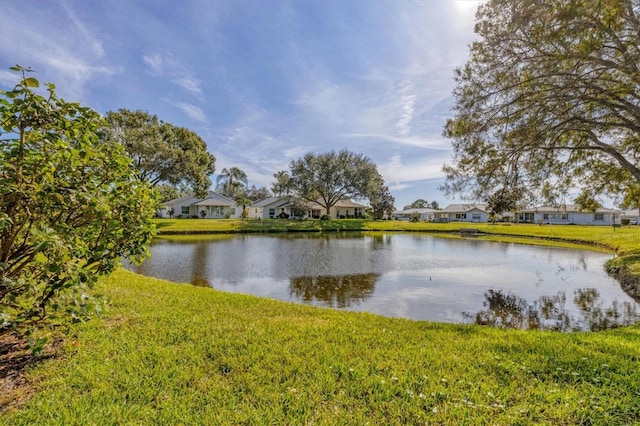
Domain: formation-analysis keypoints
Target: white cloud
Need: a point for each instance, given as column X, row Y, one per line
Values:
column 192, row 111
column 88, row 37
column 62, row 49
column 154, row 62
column 397, row 172
column 190, row 84
column 9, row 78
column 408, row 100
column 166, row 66
column 433, row 143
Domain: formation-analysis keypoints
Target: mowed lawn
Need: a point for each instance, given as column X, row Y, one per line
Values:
column 621, row 239
column 169, row 353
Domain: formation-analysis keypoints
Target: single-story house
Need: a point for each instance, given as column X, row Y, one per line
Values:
column 214, row 206
column 423, row 215
column 568, row 215
column 633, row 215
column 463, row 213
column 343, row 209
column 271, row 208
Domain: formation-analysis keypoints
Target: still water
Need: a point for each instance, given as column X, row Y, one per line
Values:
column 413, row 276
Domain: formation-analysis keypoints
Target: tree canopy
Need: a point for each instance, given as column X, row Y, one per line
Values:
column 330, row 177
column 550, row 98
column 70, row 206
column 381, row 200
column 255, row 194
column 161, row 152
column 420, row 203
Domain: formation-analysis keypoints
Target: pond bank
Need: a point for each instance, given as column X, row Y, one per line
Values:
column 175, row 354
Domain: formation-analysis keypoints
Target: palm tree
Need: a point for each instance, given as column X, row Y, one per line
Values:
column 282, row 184
column 232, row 180
column 241, row 199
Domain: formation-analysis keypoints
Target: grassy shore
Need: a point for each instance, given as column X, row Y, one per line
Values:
column 619, row 240
column 177, row 354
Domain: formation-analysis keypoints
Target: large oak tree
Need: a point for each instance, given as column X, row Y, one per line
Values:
column 330, row 177
column 549, row 100
column 162, row 152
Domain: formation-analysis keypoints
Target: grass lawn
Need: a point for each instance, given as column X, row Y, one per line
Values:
column 619, row 240
column 176, row 354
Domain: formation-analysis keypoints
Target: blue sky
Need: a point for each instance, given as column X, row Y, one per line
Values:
column 264, row 81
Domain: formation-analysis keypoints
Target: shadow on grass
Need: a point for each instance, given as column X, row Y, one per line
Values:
column 15, row 359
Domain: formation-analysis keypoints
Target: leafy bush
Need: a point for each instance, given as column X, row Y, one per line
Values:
column 70, row 207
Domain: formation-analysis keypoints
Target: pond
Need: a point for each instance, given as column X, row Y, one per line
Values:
column 407, row 275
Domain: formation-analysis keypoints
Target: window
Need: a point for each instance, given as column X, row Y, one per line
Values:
column 461, row 215
column 272, row 212
column 476, row 216
column 598, row 216
column 556, row 216
column 185, row 209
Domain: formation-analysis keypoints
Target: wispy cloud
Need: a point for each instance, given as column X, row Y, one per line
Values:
column 262, row 85
column 73, row 58
column 166, row 66
column 429, row 142
column 8, row 79
column 154, row 62
column 397, row 171
column 190, row 84
column 192, row 111
column 408, row 100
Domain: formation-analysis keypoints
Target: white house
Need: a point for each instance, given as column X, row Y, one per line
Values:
column 423, row 215
column 633, row 215
column 568, row 215
column 271, row 208
column 214, row 206
column 464, row 213
column 343, row 209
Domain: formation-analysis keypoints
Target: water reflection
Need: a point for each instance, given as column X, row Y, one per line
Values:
column 506, row 310
column 341, row 291
column 413, row 275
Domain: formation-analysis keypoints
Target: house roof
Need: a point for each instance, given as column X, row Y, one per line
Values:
column 631, row 212
column 213, row 199
column 276, row 201
column 348, row 203
column 185, row 201
column 418, row 211
column 464, row 208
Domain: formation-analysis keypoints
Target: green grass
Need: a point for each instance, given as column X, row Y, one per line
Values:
column 177, row 354
column 619, row 239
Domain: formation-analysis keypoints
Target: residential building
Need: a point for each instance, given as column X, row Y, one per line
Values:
column 343, row 209
column 214, row 206
column 423, row 215
column 271, row 208
column 568, row 215
column 464, row 213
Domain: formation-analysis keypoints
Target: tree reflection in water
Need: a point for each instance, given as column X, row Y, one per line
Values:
column 551, row 313
column 336, row 291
